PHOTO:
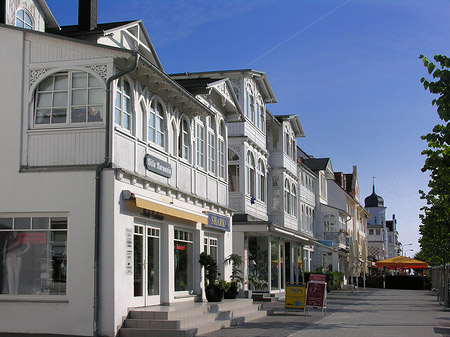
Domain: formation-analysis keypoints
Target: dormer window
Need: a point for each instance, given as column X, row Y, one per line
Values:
column 23, row 19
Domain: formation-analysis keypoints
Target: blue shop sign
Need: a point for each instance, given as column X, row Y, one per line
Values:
column 328, row 243
column 218, row 222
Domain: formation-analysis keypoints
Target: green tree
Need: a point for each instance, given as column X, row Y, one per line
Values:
column 435, row 228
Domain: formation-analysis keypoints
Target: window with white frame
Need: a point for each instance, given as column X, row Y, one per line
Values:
column 69, row 98
column 233, row 171
column 34, row 253
column 294, row 200
column 329, row 222
column 287, row 143
column 211, row 147
column 262, row 113
column 250, row 174
column 184, row 139
column 155, row 123
column 287, row 197
column 175, row 138
column 323, row 186
column 294, row 148
column 261, row 181
column 200, row 143
column 23, row 19
column 276, row 194
column 221, row 155
column 122, row 105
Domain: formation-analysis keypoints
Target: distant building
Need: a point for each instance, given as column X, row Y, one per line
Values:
column 376, row 225
column 392, row 241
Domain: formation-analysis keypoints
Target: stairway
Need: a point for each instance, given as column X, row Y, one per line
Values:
column 189, row 319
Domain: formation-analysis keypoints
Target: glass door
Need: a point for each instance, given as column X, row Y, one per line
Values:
column 146, row 252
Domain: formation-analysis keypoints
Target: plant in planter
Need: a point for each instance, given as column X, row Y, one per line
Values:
column 232, row 288
column 213, row 289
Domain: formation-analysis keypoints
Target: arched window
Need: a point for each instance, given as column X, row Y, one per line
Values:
column 221, row 155
column 23, row 19
column 287, row 197
column 200, row 143
column 233, row 171
column 122, row 105
column 329, row 222
column 175, row 136
column 155, row 123
column 250, row 174
column 294, row 200
column 250, row 105
column 294, row 148
column 211, row 146
column 69, row 98
column 184, row 140
column 262, row 114
column 261, row 181
column 287, row 143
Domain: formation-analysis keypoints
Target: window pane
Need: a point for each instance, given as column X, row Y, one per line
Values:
column 127, row 104
column 60, row 99
column 151, row 134
column 58, row 223
column 40, row 223
column 44, row 100
column 79, row 97
column 126, row 121
column 94, row 82
column 22, row 223
column 43, row 116
column 78, row 115
column 118, row 99
column 59, row 115
column 60, row 82
column 47, row 84
column 6, row 223
column 117, row 114
column 79, row 80
column 95, row 113
column 95, row 96
column 19, row 23
column 27, row 19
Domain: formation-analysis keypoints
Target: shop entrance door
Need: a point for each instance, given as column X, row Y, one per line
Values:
column 146, row 254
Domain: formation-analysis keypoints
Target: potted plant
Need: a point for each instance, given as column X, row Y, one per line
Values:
column 213, row 289
column 232, row 288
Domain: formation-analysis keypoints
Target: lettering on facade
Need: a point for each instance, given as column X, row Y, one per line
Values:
column 157, row 166
column 180, row 247
column 218, row 222
column 129, row 251
column 152, row 214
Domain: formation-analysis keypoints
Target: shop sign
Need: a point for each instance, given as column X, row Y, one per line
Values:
column 218, row 222
column 152, row 214
column 328, row 243
column 318, row 277
column 295, row 296
column 157, row 166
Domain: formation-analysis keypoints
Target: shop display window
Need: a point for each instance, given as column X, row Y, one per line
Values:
column 183, row 260
column 34, row 255
column 258, row 266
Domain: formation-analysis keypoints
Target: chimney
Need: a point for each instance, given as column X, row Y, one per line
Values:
column 87, row 15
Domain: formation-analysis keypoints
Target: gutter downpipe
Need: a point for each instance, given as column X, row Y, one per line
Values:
column 98, row 172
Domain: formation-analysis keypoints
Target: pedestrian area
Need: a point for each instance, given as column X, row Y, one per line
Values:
column 365, row 312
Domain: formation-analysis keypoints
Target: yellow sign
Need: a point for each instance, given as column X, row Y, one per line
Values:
column 295, row 296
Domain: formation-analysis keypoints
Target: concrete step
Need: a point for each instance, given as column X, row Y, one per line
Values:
column 189, row 319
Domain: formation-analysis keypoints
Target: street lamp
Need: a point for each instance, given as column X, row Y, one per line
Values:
column 408, row 250
column 403, row 245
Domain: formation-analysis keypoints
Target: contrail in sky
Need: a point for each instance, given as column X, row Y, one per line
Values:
column 299, row 32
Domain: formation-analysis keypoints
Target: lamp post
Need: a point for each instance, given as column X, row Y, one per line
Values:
column 408, row 250
column 403, row 251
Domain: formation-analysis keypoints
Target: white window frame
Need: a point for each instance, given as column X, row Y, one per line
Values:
column 250, row 177
column 156, row 111
column 221, row 150
column 184, row 139
column 234, row 160
column 22, row 20
column 200, row 144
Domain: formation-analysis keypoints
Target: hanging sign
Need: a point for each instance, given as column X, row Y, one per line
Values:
column 295, row 296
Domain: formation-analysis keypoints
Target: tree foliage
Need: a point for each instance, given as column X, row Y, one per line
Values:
column 435, row 228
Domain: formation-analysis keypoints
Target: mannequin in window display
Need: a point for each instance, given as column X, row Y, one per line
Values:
column 12, row 259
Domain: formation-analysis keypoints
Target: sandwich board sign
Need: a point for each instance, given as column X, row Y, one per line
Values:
column 295, row 296
column 316, row 295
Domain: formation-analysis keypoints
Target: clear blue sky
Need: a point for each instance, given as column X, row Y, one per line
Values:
column 349, row 69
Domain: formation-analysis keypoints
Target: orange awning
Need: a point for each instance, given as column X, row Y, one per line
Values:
column 401, row 262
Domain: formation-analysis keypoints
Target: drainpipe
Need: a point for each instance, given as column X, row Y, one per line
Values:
column 98, row 172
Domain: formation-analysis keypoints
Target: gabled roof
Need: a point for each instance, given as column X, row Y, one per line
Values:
column 317, row 164
column 259, row 76
column 295, row 123
column 49, row 19
column 106, row 30
column 222, row 88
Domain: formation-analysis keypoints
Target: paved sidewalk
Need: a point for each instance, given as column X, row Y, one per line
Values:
column 366, row 312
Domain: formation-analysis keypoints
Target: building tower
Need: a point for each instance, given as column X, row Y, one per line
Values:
column 377, row 240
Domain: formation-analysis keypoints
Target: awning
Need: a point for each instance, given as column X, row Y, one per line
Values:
column 165, row 208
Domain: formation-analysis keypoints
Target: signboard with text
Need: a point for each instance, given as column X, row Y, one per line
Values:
column 218, row 222
column 316, row 294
